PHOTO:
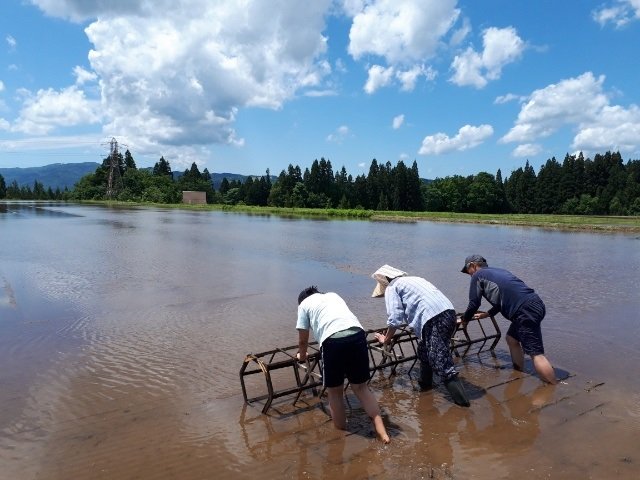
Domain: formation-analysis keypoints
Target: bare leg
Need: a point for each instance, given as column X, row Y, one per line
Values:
column 370, row 405
column 544, row 369
column 336, row 406
column 517, row 355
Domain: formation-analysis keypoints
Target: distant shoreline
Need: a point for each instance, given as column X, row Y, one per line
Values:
column 585, row 223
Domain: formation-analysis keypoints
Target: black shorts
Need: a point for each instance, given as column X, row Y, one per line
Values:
column 525, row 327
column 345, row 357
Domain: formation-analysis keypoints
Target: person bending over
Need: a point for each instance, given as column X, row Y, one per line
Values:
column 416, row 302
column 344, row 353
column 518, row 303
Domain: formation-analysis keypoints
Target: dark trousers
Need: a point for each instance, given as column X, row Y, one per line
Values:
column 434, row 350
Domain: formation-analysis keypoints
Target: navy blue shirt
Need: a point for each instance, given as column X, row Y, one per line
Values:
column 505, row 292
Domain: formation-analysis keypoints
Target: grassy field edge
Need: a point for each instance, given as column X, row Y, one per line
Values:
column 594, row 223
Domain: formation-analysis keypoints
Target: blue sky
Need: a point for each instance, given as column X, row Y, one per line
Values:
column 242, row 86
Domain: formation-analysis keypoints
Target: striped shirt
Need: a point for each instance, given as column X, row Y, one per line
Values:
column 414, row 301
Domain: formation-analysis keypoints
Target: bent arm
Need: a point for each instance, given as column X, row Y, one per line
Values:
column 303, row 343
column 386, row 338
column 475, row 298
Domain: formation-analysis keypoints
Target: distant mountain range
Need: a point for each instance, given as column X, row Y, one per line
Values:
column 216, row 178
column 61, row 175
column 56, row 175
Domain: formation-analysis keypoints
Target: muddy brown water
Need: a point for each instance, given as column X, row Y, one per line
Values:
column 122, row 332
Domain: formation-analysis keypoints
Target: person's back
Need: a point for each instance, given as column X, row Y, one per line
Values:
column 430, row 314
column 518, row 303
column 414, row 300
column 344, row 353
column 501, row 288
column 326, row 314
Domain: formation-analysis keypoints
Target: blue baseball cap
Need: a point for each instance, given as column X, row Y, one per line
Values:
column 472, row 259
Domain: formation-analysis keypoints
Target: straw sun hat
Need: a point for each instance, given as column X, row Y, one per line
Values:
column 381, row 275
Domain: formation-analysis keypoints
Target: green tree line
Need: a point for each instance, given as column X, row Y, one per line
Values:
column 13, row 191
column 604, row 185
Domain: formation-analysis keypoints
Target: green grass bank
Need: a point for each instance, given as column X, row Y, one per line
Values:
column 594, row 223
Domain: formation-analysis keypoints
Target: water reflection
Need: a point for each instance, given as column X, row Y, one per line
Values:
column 20, row 209
column 7, row 297
column 131, row 325
column 514, row 425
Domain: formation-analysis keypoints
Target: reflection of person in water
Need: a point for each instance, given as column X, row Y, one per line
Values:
column 432, row 428
column 515, row 426
column 344, row 460
column 439, row 426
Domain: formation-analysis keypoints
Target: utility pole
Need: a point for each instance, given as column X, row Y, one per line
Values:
column 114, row 180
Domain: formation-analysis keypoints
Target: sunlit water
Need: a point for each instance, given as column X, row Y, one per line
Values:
column 122, row 332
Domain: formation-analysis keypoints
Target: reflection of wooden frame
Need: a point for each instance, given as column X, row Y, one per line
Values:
column 308, row 375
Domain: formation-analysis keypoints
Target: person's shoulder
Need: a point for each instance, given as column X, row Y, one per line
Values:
column 485, row 272
column 311, row 300
column 494, row 273
column 331, row 295
column 396, row 284
column 498, row 270
column 401, row 285
column 407, row 279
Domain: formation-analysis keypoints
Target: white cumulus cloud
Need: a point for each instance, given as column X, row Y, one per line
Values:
column 400, row 31
column 467, row 137
column 461, row 33
column 176, row 72
column 83, row 76
column 50, row 142
column 408, row 78
column 82, row 10
column 11, row 42
column 501, row 46
column 398, row 121
column 509, row 97
column 616, row 128
column 582, row 104
column 341, row 133
column 570, row 101
column 619, row 13
column 402, row 34
column 48, row 109
column 527, row 150
column 379, row 77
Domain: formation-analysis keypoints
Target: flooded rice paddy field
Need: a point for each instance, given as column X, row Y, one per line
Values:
column 122, row 333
